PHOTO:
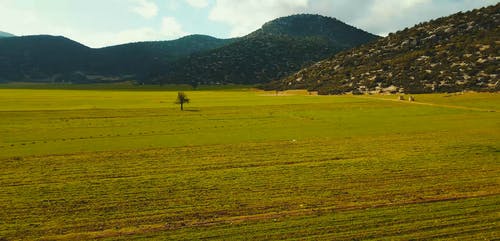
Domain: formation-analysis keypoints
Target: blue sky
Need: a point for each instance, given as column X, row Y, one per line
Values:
column 98, row 23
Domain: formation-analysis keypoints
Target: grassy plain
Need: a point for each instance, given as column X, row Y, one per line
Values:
column 241, row 164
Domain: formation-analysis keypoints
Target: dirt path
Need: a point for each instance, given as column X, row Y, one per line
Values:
column 430, row 104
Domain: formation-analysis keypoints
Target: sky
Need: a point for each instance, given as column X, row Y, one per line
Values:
column 99, row 23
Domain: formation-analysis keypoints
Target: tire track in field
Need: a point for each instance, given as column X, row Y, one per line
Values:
column 153, row 228
column 430, row 104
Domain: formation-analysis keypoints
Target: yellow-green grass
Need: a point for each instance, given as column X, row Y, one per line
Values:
column 245, row 164
column 67, row 121
column 486, row 101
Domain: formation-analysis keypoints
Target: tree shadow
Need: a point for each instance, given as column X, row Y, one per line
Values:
column 192, row 110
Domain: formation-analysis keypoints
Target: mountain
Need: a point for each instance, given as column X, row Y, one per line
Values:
column 454, row 53
column 6, row 35
column 54, row 58
column 39, row 56
column 147, row 58
column 277, row 49
column 309, row 25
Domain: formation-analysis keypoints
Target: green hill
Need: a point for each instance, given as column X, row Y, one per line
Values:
column 278, row 49
column 39, row 57
column 48, row 58
column 453, row 53
column 309, row 25
column 146, row 59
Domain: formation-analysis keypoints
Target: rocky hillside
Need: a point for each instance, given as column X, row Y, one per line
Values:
column 278, row 49
column 454, row 53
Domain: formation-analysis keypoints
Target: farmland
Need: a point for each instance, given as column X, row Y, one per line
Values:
column 243, row 164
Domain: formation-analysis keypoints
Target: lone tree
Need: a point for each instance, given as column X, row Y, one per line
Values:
column 182, row 99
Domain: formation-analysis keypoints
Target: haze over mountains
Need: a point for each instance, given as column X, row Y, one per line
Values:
column 279, row 48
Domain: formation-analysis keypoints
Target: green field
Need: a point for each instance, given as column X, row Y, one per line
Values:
column 242, row 164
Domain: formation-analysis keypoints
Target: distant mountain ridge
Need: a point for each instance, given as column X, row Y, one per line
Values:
column 454, row 53
column 49, row 58
column 278, row 49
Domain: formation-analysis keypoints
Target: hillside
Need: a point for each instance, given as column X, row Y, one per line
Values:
column 40, row 56
column 6, row 35
column 308, row 25
column 278, row 49
column 48, row 58
column 149, row 58
column 453, row 53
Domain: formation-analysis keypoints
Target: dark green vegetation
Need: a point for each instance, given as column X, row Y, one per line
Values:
column 280, row 48
column 242, row 164
column 147, row 60
column 34, row 57
column 57, row 59
column 454, row 53
column 6, row 35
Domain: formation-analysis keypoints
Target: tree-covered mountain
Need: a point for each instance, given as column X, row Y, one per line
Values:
column 278, row 49
column 454, row 53
column 41, row 56
column 309, row 25
column 54, row 58
column 6, row 35
column 147, row 59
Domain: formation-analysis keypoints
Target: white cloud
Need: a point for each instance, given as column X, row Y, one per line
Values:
column 375, row 16
column 173, row 5
column 198, row 3
column 130, row 35
column 410, row 12
column 11, row 18
column 387, row 15
column 33, row 22
column 242, row 16
column 246, row 16
column 171, row 28
column 145, row 8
